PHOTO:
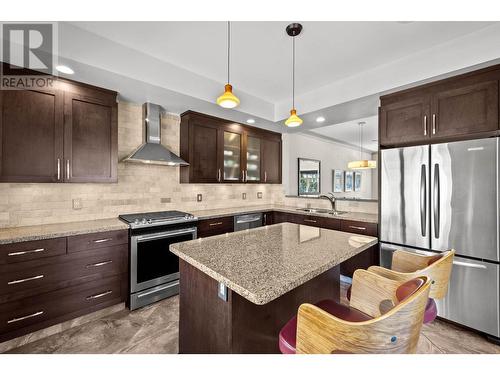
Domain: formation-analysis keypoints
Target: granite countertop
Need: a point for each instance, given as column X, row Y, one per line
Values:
column 264, row 263
column 214, row 213
column 41, row 232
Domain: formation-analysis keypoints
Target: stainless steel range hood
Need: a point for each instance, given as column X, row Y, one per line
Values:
column 152, row 151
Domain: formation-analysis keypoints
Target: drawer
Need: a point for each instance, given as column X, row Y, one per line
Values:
column 104, row 262
column 96, row 240
column 35, row 310
column 24, row 251
column 359, row 227
column 213, row 227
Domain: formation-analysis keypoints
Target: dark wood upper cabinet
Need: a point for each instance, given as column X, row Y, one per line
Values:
column 464, row 110
column 65, row 134
column 405, row 121
column 90, row 137
column 221, row 151
column 451, row 109
column 31, row 136
column 271, row 161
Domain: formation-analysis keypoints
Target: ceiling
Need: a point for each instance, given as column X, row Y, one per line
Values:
column 261, row 51
column 348, row 133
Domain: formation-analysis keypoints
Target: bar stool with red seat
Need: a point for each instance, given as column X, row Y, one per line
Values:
column 406, row 266
column 384, row 316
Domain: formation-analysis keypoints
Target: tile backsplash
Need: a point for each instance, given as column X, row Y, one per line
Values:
column 139, row 188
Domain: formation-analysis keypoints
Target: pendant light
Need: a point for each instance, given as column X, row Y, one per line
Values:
column 293, row 30
column 228, row 99
column 361, row 163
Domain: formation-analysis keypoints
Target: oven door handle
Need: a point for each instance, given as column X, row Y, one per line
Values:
column 157, row 236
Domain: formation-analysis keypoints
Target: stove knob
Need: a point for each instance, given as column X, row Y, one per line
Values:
column 143, row 221
column 136, row 221
column 149, row 221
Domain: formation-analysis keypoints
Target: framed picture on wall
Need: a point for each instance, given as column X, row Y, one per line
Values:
column 348, row 181
column 338, row 181
column 357, row 181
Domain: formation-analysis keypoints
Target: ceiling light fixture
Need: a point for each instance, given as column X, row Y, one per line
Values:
column 228, row 99
column 361, row 163
column 293, row 30
column 251, row 121
column 320, row 119
column 65, row 69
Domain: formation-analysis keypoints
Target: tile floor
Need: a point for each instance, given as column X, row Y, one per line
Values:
column 154, row 329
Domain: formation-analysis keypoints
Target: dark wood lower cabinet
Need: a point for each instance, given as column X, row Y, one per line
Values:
column 213, row 227
column 208, row 324
column 59, row 279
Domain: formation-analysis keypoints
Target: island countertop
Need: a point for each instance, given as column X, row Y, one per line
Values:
column 264, row 263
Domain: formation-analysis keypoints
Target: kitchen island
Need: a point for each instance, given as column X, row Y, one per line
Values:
column 238, row 289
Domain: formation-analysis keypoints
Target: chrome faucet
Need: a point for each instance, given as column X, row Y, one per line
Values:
column 332, row 200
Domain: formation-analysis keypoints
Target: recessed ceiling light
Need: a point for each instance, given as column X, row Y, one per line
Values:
column 64, row 69
column 320, row 119
column 251, row 121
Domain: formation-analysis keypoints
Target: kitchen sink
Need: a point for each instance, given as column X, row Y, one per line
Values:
column 321, row 211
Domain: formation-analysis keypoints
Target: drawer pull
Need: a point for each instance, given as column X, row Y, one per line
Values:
column 24, row 280
column 98, row 264
column 310, row 221
column 355, row 227
column 25, row 252
column 24, row 317
column 102, row 240
column 214, row 224
column 95, row 296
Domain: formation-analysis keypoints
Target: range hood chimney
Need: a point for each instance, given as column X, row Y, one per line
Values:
column 152, row 151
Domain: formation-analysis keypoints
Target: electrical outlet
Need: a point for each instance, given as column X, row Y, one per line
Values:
column 77, row 204
column 199, row 197
column 244, row 195
column 259, row 195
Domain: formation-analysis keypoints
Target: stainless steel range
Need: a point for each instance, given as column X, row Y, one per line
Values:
column 154, row 270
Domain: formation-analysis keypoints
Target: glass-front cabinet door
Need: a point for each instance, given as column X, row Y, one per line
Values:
column 253, row 169
column 232, row 157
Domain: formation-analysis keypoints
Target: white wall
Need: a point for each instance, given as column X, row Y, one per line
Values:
column 332, row 156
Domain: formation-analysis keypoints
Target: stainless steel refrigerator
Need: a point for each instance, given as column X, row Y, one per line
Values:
column 444, row 196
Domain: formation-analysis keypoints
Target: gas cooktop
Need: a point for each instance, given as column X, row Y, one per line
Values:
column 151, row 219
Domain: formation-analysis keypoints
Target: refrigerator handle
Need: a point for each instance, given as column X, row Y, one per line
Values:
column 423, row 200
column 436, row 200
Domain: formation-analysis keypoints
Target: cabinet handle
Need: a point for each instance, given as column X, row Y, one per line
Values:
column 58, row 169
column 24, row 317
column 425, row 125
column 265, row 176
column 98, row 264
column 218, row 175
column 95, row 296
column 102, row 240
column 25, row 252
column 355, row 227
column 214, row 224
column 310, row 221
column 67, row 169
column 24, row 280
column 433, row 123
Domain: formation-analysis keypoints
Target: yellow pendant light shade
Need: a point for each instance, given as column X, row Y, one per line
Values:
column 362, row 163
column 293, row 30
column 293, row 120
column 228, row 99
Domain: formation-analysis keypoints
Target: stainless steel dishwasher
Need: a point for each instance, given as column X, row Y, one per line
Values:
column 248, row 221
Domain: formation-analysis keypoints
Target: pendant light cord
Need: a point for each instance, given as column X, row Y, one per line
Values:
column 228, row 48
column 293, row 72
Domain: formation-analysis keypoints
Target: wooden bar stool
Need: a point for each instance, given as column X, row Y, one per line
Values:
column 384, row 316
column 407, row 266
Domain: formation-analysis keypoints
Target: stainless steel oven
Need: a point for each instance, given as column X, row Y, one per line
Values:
column 154, row 270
